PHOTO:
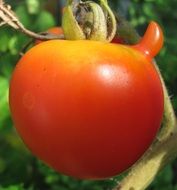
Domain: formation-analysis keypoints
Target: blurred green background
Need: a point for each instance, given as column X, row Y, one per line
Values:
column 18, row 168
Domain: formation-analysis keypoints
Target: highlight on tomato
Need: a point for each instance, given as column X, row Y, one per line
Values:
column 88, row 109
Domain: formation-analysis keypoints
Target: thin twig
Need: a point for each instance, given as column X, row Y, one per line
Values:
column 2, row 23
column 8, row 17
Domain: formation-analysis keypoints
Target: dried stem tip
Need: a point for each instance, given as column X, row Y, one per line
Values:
column 88, row 20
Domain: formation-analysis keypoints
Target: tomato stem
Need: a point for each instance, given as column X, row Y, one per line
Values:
column 88, row 21
column 169, row 119
column 111, row 23
column 145, row 170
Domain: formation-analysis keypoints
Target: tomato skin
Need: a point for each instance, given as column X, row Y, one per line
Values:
column 88, row 109
column 55, row 30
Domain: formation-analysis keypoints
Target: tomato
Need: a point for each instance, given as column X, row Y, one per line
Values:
column 88, row 109
column 54, row 30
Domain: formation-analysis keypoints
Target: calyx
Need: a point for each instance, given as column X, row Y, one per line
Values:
column 88, row 20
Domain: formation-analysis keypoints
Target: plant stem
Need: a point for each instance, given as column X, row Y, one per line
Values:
column 8, row 17
column 142, row 173
column 105, row 1
column 169, row 120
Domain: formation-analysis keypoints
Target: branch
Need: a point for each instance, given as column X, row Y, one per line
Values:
column 169, row 120
column 164, row 148
column 8, row 17
column 142, row 174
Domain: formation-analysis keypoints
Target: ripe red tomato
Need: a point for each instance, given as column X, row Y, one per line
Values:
column 55, row 30
column 88, row 109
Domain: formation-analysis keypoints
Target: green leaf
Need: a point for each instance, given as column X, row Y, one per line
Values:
column 33, row 6
column 4, row 38
column 22, row 13
column 6, row 64
column 12, row 187
column 44, row 21
column 12, row 45
column 164, row 179
column 4, row 107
